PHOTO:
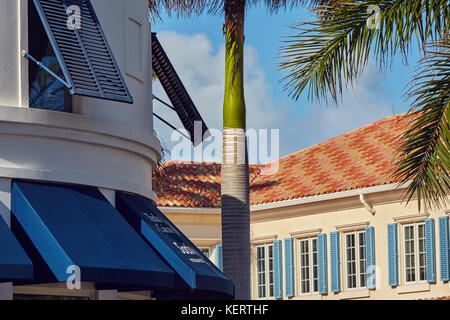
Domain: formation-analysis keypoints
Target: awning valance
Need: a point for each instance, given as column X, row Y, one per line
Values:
column 196, row 271
column 67, row 225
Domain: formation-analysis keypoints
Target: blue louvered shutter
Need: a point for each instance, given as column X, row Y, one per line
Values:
column 84, row 54
column 430, row 253
column 335, row 262
column 370, row 257
column 392, row 254
column 289, row 266
column 277, row 269
column 322, row 256
column 176, row 92
column 219, row 259
column 444, row 245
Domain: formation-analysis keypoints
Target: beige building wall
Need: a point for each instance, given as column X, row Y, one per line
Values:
column 347, row 213
column 201, row 226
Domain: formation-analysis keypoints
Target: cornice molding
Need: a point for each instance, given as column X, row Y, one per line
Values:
column 306, row 233
column 352, row 226
column 264, row 239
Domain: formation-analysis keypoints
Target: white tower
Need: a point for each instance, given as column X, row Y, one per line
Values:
column 100, row 143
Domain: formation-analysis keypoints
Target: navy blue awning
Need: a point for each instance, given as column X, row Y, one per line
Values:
column 76, row 225
column 194, row 268
column 14, row 263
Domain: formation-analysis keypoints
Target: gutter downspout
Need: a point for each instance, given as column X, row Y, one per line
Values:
column 368, row 206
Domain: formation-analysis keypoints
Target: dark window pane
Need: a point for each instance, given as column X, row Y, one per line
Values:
column 45, row 91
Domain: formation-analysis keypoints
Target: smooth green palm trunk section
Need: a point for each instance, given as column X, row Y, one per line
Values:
column 235, row 174
column 234, row 102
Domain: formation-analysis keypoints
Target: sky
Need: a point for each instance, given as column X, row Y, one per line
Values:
column 195, row 47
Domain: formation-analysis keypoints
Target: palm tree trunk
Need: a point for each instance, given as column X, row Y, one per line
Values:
column 235, row 174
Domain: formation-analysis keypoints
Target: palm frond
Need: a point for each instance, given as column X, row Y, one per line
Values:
column 424, row 156
column 330, row 52
column 186, row 8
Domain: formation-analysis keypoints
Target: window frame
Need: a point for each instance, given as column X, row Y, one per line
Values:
column 358, row 260
column 87, row 40
column 206, row 248
column 267, row 271
column 35, row 24
column 310, row 265
column 416, row 252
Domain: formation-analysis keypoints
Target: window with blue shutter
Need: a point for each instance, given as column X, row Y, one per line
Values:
column 335, row 261
column 370, row 257
column 430, row 250
column 219, row 259
column 322, row 255
column 81, row 56
column 444, row 245
column 277, row 272
column 392, row 254
column 289, row 266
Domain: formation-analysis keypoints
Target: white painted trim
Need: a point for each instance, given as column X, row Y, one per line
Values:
column 415, row 224
column 298, row 272
column 368, row 206
column 291, row 202
column 354, row 294
column 409, row 288
column 46, row 119
column 202, row 242
column 352, row 226
column 267, row 271
column 315, row 296
column 76, row 178
column 420, row 217
column 328, row 196
column 305, row 233
column 83, row 136
column 357, row 261
column 264, row 239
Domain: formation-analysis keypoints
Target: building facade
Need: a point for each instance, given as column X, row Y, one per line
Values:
column 329, row 224
column 78, row 215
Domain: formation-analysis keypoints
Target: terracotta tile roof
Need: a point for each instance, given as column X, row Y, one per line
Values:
column 358, row 159
column 436, row 298
column 191, row 184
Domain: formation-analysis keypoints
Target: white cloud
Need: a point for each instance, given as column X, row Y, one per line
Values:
column 201, row 68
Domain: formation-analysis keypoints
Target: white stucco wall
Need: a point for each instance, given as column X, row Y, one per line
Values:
column 102, row 143
column 127, row 29
column 10, row 59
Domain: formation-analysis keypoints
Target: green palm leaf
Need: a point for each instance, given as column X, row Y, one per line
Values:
column 424, row 157
column 330, row 53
